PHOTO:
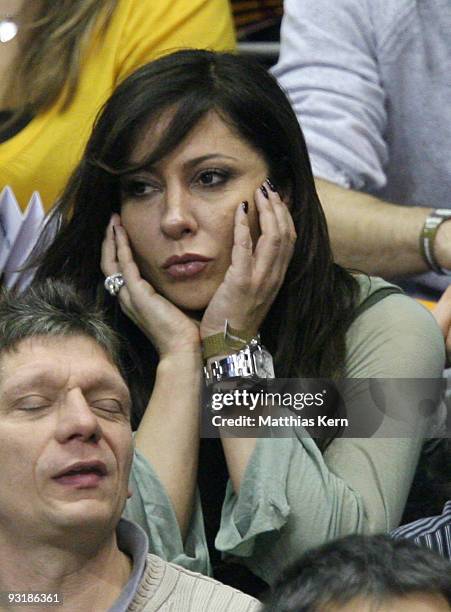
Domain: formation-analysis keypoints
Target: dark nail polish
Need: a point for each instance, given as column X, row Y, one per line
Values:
column 245, row 206
column 271, row 185
column 264, row 191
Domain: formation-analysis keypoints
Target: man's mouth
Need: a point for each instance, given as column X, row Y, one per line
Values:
column 82, row 475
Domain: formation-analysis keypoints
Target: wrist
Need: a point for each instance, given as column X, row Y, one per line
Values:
column 435, row 242
column 226, row 342
column 207, row 362
column 185, row 360
column 252, row 362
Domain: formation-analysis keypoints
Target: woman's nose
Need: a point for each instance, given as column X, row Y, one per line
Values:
column 178, row 219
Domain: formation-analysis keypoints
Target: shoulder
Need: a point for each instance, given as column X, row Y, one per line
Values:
column 372, row 289
column 143, row 30
column 374, row 15
column 163, row 14
column 392, row 335
column 174, row 585
column 384, row 304
column 428, row 528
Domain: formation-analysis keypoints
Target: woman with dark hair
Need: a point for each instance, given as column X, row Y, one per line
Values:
column 195, row 198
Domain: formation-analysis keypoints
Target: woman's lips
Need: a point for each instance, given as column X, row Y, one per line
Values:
column 186, row 265
column 187, row 269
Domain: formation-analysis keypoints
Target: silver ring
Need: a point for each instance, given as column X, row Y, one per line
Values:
column 113, row 283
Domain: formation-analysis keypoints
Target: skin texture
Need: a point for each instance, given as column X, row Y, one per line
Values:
column 377, row 237
column 184, row 205
column 188, row 206
column 190, row 202
column 62, row 401
column 382, row 239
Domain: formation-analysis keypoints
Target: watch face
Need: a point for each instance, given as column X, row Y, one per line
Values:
column 264, row 367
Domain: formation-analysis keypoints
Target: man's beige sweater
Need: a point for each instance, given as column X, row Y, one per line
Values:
column 166, row 587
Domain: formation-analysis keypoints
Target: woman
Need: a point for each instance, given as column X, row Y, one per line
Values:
column 64, row 60
column 177, row 171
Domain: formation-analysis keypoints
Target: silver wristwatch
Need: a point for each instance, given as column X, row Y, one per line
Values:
column 251, row 362
column 427, row 238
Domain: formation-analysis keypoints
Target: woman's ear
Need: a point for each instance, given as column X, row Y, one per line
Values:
column 286, row 195
column 285, row 192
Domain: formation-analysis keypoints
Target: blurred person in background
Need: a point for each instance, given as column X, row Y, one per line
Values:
column 370, row 83
column 60, row 61
column 364, row 574
column 434, row 532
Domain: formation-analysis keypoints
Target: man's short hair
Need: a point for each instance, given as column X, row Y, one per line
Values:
column 53, row 308
column 376, row 568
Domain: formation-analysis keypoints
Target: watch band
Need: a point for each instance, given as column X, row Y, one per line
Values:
column 226, row 341
column 427, row 238
column 251, row 362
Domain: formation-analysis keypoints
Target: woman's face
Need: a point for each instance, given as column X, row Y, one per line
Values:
column 179, row 214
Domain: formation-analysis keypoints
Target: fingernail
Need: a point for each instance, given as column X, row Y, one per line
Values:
column 264, row 191
column 271, row 185
column 245, row 206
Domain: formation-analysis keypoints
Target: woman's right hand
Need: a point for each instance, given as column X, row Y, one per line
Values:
column 167, row 327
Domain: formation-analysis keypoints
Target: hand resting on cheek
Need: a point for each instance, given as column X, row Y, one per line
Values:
column 255, row 276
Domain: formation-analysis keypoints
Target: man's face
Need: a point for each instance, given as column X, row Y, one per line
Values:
column 65, row 437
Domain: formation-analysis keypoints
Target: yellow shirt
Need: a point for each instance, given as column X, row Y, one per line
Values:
column 43, row 155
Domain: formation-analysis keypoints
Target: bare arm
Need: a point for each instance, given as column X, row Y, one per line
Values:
column 168, row 435
column 249, row 288
column 376, row 237
column 330, row 65
column 238, row 452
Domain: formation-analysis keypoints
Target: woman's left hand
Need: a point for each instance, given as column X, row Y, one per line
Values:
column 255, row 276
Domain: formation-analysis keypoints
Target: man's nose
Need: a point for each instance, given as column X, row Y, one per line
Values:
column 178, row 219
column 76, row 419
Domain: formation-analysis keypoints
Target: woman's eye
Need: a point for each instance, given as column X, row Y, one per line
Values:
column 211, row 178
column 137, row 188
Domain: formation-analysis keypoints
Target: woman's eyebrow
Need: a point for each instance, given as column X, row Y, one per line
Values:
column 187, row 165
column 198, row 160
column 190, row 163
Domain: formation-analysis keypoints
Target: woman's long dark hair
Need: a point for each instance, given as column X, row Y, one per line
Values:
column 306, row 325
